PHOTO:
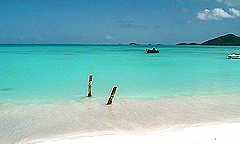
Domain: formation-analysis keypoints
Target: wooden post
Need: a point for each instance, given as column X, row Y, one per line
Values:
column 111, row 96
column 90, row 80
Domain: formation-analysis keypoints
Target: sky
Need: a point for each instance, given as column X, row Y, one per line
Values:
column 116, row 21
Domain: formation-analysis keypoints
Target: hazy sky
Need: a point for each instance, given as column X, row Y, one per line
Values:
column 116, row 21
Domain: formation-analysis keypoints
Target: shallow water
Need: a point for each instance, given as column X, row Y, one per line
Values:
column 48, row 73
column 43, row 88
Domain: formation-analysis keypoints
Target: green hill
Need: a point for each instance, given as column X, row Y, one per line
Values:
column 228, row 40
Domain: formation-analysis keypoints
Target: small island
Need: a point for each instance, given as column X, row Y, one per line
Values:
column 226, row 40
column 133, row 44
column 188, row 44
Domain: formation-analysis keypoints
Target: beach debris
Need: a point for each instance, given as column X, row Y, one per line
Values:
column 90, row 81
column 110, row 100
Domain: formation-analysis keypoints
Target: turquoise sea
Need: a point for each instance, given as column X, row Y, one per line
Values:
column 43, row 89
column 48, row 73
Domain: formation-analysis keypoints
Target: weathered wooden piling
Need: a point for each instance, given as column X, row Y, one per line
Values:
column 90, row 81
column 110, row 100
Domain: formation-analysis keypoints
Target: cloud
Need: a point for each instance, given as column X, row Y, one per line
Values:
column 234, row 12
column 218, row 14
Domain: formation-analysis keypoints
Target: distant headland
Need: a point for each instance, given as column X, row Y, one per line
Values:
column 138, row 44
column 225, row 40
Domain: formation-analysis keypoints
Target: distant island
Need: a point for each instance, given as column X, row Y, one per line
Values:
column 226, row 40
column 137, row 44
column 188, row 44
column 133, row 44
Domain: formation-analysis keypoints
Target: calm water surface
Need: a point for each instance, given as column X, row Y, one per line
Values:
column 47, row 73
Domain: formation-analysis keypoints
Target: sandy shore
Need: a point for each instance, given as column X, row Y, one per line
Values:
column 142, row 121
column 212, row 133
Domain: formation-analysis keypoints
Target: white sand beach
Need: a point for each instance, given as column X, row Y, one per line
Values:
column 183, row 120
column 211, row 133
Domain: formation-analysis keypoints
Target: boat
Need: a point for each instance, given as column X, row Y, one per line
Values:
column 234, row 56
column 153, row 50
